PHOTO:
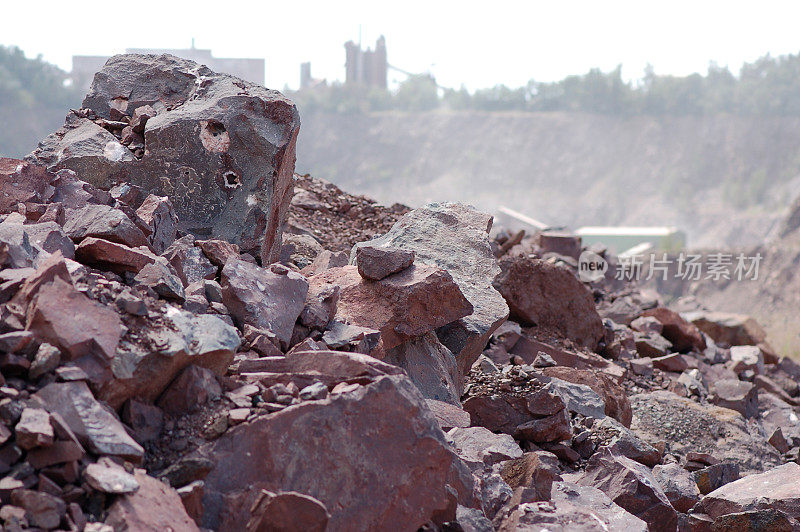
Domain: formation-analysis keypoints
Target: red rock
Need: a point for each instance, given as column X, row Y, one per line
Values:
column 684, row 335
column 449, row 416
column 287, row 511
column 409, row 304
column 145, row 421
column 632, row 486
column 674, row 362
column 736, row 395
column 34, row 429
column 622, row 441
column 376, row 262
column 50, row 237
column 192, row 498
column 159, row 217
column 219, row 252
column 266, row 298
column 540, row 293
column 193, row 387
column 96, row 428
column 116, row 257
column 160, row 277
column 405, row 447
column 746, row 357
column 58, row 453
column 140, row 117
column 21, row 182
column 41, row 509
column 678, row 485
column 503, row 413
column 730, row 329
column 154, row 506
column 480, row 447
column 102, row 221
column 320, row 308
column 777, row 488
column 325, row 261
column 537, row 470
column 67, row 319
column 552, row 428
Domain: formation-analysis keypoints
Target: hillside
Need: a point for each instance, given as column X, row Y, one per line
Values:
column 724, row 179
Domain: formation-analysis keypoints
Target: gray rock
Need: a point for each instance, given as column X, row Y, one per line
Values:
column 455, row 237
column 480, row 447
column 110, row 478
column 678, row 484
column 430, row 365
column 220, row 148
column 376, row 262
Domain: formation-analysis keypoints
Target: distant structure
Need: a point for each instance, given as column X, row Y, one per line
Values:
column 253, row 70
column 366, row 67
column 306, row 81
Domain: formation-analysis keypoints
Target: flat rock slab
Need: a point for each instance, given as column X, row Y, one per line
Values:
column 776, row 489
column 96, row 428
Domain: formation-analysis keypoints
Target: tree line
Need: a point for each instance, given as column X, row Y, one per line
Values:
column 767, row 86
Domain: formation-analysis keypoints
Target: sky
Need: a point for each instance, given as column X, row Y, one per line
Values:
column 477, row 44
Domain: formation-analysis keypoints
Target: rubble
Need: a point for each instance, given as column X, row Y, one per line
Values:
column 167, row 363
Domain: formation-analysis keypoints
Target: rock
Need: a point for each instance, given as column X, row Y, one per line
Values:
column 775, row 489
column 682, row 334
column 430, row 365
column 154, row 506
column 647, row 324
column 573, row 507
column 540, row 293
column 624, row 442
column 727, row 328
column 159, row 217
column 79, row 327
column 111, row 255
column 661, row 416
column 320, row 308
column 651, row 345
column 454, row 237
column 376, row 262
column 160, row 278
column 21, row 182
column 50, row 237
column 736, row 395
column 579, row 398
column 192, row 498
column 16, row 250
column 266, row 298
column 778, row 441
column 34, row 429
column 448, row 415
column 220, row 148
column 358, row 339
column 193, row 387
column 768, row 520
column 300, row 250
column 613, row 397
column 145, row 367
column 715, row 476
column 537, row 470
column 96, row 428
column 326, row 260
column 678, row 485
column 110, row 478
column 552, row 428
column 405, row 443
column 102, row 221
column 145, row 421
column 503, row 413
column 41, row 509
column 480, row 447
column 674, row 362
column 408, row 304
column 642, row 366
column 219, row 252
column 47, row 359
column 747, row 357
column 189, row 261
column 473, row 520
column 632, row 486
column 288, row 511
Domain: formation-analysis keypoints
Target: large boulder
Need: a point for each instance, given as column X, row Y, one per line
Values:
column 776, row 489
column 454, row 237
column 544, row 294
column 392, row 462
column 220, row 148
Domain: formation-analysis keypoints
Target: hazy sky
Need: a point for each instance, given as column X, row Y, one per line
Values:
column 476, row 43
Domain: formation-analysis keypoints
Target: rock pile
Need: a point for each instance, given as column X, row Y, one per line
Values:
column 163, row 373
